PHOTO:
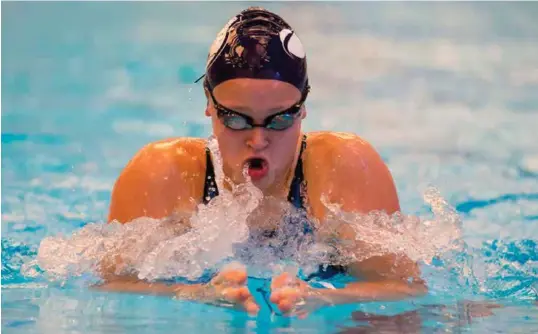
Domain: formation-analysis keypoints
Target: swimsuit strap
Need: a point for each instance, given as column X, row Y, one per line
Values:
column 210, row 184
column 294, row 195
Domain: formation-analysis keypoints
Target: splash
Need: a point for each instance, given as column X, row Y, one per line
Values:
column 177, row 246
column 269, row 236
column 507, row 269
column 233, row 226
column 378, row 233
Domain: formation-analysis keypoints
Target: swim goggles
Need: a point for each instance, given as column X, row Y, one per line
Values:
column 237, row 121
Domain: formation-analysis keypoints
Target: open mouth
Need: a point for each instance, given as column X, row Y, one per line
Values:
column 256, row 163
column 257, row 168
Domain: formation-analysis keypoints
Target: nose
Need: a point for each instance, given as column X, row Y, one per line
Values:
column 257, row 139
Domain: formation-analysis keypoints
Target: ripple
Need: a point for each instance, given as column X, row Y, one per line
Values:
column 470, row 205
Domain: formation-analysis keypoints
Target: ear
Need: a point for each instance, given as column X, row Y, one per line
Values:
column 303, row 113
column 207, row 112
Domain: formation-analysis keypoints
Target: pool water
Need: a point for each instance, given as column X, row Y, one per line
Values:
column 445, row 91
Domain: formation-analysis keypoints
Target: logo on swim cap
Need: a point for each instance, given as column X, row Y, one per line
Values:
column 220, row 41
column 292, row 44
column 257, row 44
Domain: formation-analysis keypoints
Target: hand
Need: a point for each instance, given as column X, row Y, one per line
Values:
column 229, row 288
column 294, row 296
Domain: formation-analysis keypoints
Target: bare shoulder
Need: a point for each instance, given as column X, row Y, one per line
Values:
column 162, row 176
column 168, row 153
column 342, row 147
column 347, row 170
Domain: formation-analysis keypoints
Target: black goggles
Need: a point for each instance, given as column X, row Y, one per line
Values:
column 237, row 121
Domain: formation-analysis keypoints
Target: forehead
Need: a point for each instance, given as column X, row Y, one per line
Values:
column 250, row 95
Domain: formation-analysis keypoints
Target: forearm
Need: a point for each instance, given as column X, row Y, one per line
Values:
column 357, row 292
column 116, row 267
column 132, row 285
column 137, row 286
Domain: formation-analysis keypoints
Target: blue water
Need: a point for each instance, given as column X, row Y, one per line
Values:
column 445, row 91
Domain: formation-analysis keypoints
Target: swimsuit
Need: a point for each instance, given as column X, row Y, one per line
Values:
column 295, row 197
column 290, row 224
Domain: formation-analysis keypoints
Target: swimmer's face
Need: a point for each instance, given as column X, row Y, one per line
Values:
column 259, row 100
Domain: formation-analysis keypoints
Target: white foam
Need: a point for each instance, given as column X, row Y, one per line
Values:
column 231, row 227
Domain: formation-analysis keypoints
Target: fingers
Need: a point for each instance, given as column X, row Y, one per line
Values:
column 285, row 306
column 231, row 277
column 285, row 293
column 236, row 294
column 288, row 294
column 288, row 300
column 250, row 306
column 240, row 296
column 293, row 307
column 282, row 280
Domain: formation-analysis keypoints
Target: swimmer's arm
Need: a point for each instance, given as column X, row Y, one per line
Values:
column 193, row 292
column 203, row 293
column 351, row 175
column 380, row 282
column 362, row 183
column 113, row 280
column 156, row 182
column 153, row 184
column 134, row 285
column 361, row 292
column 227, row 289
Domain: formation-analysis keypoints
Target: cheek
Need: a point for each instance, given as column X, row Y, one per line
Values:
column 285, row 145
column 229, row 145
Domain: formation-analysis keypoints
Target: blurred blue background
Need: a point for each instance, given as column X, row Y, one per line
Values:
column 447, row 92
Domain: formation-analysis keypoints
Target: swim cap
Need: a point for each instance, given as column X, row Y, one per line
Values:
column 257, row 44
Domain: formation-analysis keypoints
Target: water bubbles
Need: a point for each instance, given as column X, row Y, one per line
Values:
column 268, row 237
column 246, row 174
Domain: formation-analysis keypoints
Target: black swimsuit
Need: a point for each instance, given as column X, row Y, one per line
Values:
column 295, row 196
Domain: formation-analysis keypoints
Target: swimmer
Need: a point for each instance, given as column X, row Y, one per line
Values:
column 256, row 84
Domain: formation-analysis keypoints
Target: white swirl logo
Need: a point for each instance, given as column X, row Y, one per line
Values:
column 293, row 46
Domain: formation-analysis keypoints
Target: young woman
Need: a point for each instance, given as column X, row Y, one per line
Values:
column 256, row 83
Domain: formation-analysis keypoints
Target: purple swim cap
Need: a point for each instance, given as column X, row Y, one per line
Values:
column 257, row 44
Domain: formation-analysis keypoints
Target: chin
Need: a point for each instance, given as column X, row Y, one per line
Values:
column 264, row 183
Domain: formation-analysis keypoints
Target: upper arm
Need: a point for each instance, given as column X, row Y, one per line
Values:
column 358, row 180
column 363, row 180
column 153, row 184
column 351, row 174
column 389, row 266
